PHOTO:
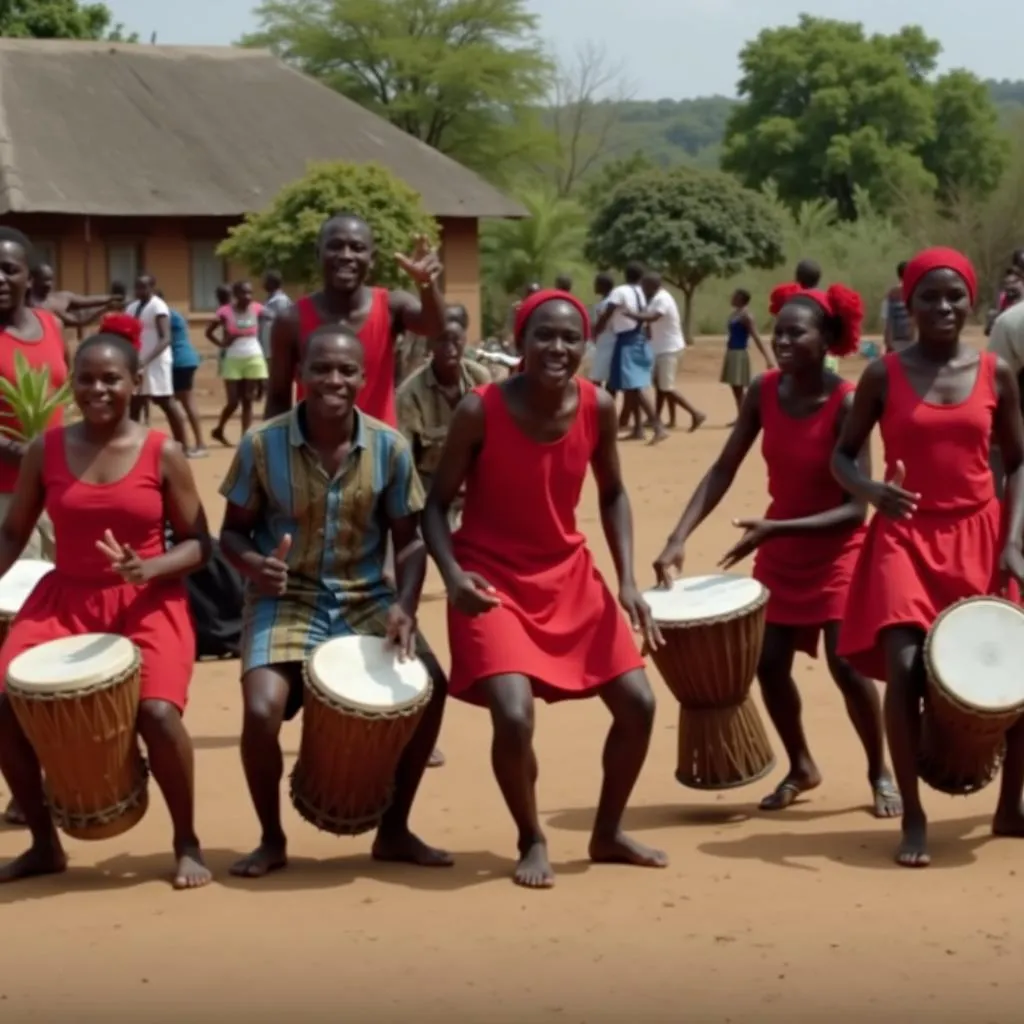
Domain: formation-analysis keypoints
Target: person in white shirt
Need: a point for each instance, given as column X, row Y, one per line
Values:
column 667, row 344
column 604, row 344
column 632, row 360
column 156, row 362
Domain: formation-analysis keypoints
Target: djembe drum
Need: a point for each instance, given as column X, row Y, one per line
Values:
column 713, row 628
column 360, row 709
column 76, row 700
column 975, row 693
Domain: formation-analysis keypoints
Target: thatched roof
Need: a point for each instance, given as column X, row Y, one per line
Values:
column 131, row 130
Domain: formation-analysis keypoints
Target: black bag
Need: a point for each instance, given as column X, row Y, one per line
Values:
column 215, row 597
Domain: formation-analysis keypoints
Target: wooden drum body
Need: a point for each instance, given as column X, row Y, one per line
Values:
column 16, row 586
column 975, row 693
column 360, row 709
column 713, row 628
column 77, row 699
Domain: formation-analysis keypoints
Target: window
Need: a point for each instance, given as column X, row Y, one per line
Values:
column 45, row 251
column 209, row 271
column 124, row 262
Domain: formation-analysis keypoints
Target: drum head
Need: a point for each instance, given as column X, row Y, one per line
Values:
column 695, row 599
column 974, row 653
column 364, row 672
column 18, row 582
column 71, row 663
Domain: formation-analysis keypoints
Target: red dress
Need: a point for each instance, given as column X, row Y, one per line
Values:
column 377, row 399
column 911, row 570
column 47, row 351
column 808, row 575
column 558, row 623
column 83, row 594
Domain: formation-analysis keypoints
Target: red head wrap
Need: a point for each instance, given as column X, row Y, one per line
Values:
column 938, row 259
column 124, row 326
column 529, row 304
column 839, row 302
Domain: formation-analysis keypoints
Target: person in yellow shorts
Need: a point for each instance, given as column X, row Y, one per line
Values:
column 243, row 369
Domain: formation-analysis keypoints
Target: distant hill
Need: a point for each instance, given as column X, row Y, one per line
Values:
column 691, row 131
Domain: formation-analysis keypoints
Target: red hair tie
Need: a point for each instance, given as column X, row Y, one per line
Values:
column 532, row 302
column 939, row 258
column 839, row 302
column 124, row 326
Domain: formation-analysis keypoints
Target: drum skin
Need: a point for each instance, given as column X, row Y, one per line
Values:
column 962, row 748
column 344, row 779
column 95, row 776
column 709, row 667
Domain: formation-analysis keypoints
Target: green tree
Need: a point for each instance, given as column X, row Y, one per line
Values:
column 283, row 236
column 515, row 253
column 604, row 181
column 58, row 19
column 828, row 109
column 463, row 76
column 689, row 225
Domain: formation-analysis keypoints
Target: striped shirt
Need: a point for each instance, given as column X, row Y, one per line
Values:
column 338, row 525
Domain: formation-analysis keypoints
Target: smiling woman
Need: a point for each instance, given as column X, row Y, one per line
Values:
column 529, row 614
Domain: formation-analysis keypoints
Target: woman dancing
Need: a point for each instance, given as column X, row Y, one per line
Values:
column 809, row 539
column 109, row 485
column 529, row 614
column 938, row 536
column 736, row 363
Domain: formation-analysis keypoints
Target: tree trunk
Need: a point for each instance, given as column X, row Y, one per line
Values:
column 688, row 293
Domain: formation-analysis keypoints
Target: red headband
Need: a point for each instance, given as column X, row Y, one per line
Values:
column 839, row 302
column 939, row 259
column 124, row 326
column 529, row 304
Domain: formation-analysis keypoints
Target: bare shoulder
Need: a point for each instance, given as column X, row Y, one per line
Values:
column 875, row 375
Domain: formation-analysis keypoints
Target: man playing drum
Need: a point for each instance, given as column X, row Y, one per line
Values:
column 312, row 496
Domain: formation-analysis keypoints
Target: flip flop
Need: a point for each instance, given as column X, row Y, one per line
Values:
column 785, row 795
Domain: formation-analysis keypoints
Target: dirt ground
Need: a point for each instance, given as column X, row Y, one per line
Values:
column 758, row 918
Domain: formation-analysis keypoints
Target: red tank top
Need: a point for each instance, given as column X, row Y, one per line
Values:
column 47, row 351
column 377, row 399
column 132, row 508
column 944, row 448
column 798, row 453
column 514, row 477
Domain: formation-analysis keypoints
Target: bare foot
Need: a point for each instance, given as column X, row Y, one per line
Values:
column 791, row 787
column 913, row 849
column 1009, row 825
column 698, row 421
column 218, row 435
column 38, row 859
column 267, row 857
column 620, row 849
column 191, row 872
column 405, row 848
column 436, row 759
column 13, row 815
column 887, row 800
column 534, row 870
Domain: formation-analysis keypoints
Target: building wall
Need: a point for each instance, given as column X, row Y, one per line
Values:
column 88, row 254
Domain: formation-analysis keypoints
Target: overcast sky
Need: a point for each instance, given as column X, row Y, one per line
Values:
column 674, row 48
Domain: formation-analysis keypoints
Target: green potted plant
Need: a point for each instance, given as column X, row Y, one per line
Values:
column 31, row 399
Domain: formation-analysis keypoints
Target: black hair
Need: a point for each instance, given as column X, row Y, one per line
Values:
column 273, row 278
column 20, row 239
column 603, row 282
column 830, row 326
column 634, row 272
column 1017, row 259
column 743, row 295
column 237, row 286
column 128, row 352
column 118, row 288
column 563, row 283
column 901, row 269
column 223, row 291
column 37, row 268
column 330, row 331
column 458, row 313
column 653, row 277
column 808, row 274
column 340, row 216
column 146, row 276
